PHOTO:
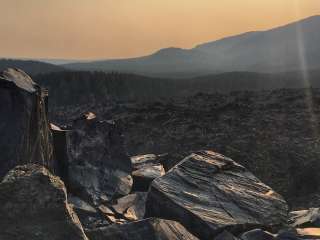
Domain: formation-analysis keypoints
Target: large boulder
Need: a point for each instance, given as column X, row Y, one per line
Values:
column 98, row 166
column 33, row 206
column 25, row 136
column 151, row 229
column 209, row 193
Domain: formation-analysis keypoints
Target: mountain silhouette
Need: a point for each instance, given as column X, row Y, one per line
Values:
column 293, row 47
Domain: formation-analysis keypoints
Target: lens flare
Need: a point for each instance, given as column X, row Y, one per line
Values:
column 305, row 71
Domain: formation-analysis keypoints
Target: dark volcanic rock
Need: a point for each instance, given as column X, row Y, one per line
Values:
column 98, row 166
column 111, row 215
column 142, row 160
column 132, row 206
column 25, row 136
column 274, row 134
column 225, row 235
column 89, row 216
column 60, row 151
column 33, row 205
column 146, row 169
column 148, row 229
column 209, row 193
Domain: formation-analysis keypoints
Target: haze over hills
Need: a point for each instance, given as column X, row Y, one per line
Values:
column 30, row 66
column 292, row 47
column 81, row 87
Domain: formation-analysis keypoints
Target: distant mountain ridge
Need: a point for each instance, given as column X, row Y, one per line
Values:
column 29, row 66
column 287, row 48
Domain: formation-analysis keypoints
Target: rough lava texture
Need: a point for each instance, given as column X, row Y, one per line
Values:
column 98, row 166
column 209, row 193
column 33, row 206
column 25, row 136
column 274, row 134
column 151, row 229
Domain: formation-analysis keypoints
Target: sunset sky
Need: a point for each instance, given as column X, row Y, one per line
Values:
column 100, row 29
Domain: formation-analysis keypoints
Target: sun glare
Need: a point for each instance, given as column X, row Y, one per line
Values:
column 305, row 70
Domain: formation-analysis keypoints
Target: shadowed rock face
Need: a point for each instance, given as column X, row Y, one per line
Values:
column 209, row 193
column 25, row 136
column 225, row 235
column 60, row 152
column 98, row 166
column 146, row 169
column 88, row 215
column 151, row 229
column 33, row 205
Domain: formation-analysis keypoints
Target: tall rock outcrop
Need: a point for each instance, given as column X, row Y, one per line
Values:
column 33, row 206
column 209, row 193
column 98, row 166
column 24, row 131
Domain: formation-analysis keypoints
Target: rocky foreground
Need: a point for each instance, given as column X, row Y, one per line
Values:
column 274, row 134
column 77, row 182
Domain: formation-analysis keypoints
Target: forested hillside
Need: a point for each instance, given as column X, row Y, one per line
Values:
column 80, row 87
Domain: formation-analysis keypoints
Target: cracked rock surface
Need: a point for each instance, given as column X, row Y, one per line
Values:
column 209, row 193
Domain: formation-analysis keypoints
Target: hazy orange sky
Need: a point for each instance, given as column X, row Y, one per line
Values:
column 96, row 29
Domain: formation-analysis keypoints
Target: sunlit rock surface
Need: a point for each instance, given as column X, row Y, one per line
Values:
column 33, row 205
column 98, row 166
column 305, row 218
column 308, row 233
column 148, row 229
column 24, row 131
column 111, row 215
column 209, row 193
column 299, row 234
